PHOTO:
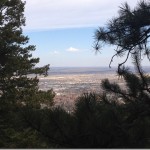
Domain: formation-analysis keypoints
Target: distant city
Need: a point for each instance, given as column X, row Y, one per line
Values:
column 70, row 82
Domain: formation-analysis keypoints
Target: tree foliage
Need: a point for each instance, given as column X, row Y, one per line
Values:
column 129, row 32
column 17, row 88
column 16, row 61
column 135, row 99
column 115, row 118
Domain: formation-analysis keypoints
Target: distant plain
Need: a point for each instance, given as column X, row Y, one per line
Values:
column 70, row 83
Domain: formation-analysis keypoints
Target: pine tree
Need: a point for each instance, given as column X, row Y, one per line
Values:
column 16, row 61
column 129, row 32
column 17, row 88
column 135, row 101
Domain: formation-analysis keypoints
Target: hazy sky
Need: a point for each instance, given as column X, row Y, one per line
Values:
column 63, row 30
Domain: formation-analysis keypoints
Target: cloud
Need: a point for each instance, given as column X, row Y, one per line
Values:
column 55, row 53
column 53, row 14
column 71, row 49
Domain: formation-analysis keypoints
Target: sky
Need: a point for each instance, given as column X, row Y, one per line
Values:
column 63, row 31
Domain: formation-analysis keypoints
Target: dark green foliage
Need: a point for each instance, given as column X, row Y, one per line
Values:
column 16, row 60
column 115, row 118
column 129, row 32
column 136, row 104
column 94, row 123
column 55, row 126
column 17, row 88
column 98, row 122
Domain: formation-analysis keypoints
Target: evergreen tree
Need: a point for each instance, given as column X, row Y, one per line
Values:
column 17, row 88
column 16, row 61
column 129, row 32
column 135, row 101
